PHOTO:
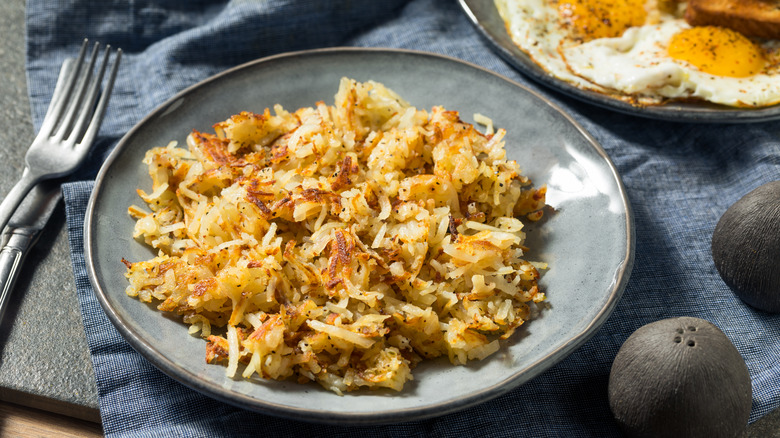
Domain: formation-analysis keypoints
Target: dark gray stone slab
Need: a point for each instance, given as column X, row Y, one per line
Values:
column 44, row 360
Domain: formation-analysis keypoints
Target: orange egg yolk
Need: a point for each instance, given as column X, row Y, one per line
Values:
column 717, row 51
column 591, row 19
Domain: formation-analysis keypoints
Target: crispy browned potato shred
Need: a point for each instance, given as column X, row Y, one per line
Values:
column 339, row 244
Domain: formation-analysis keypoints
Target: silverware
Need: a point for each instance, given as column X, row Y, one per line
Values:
column 69, row 128
column 30, row 214
column 28, row 220
column 22, row 233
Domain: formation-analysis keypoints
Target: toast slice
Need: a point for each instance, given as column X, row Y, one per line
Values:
column 757, row 18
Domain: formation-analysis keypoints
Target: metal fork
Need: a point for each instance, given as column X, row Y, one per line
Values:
column 69, row 127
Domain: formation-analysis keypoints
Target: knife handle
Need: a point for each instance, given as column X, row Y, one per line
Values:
column 12, row 255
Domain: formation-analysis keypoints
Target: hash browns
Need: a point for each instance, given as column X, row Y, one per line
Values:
column 339, row 244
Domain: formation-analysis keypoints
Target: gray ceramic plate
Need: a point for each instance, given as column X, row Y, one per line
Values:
column 485, row 17
column 588, row 242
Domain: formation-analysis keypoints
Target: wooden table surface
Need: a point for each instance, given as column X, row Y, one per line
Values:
column 23, row 422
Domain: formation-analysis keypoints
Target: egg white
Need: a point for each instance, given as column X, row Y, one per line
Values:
column 637, row 63
column 635, row 66
column 533, row 26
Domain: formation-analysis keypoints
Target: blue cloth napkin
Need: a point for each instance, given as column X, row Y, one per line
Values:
column 680, row 179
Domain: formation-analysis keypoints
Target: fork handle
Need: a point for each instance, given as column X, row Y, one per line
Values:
column 16, row 195
column 11, row 257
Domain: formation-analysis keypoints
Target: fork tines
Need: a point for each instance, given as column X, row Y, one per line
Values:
column 68, row 117
column 69, row 128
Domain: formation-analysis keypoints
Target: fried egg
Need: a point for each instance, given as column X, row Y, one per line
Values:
column 534, row 28
column 644, row 52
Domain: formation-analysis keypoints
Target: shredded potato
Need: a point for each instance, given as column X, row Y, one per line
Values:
column 340, row 244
